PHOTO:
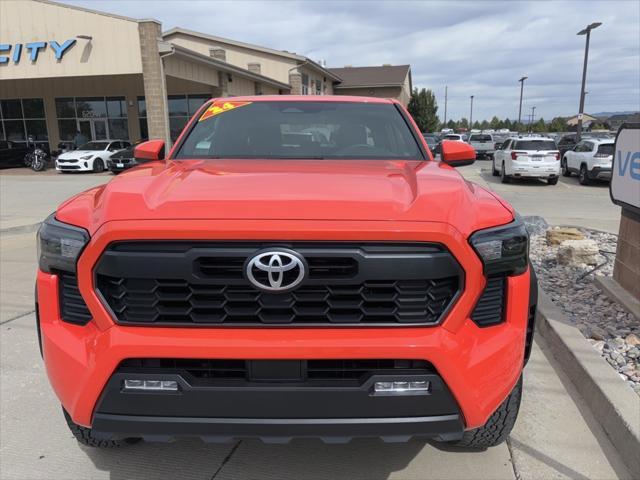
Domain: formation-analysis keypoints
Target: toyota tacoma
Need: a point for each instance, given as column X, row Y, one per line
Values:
column 294, row 266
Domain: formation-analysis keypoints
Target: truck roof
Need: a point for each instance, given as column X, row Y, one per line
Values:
column 307, row 98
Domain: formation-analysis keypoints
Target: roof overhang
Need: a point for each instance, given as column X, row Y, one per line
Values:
column 226, row 67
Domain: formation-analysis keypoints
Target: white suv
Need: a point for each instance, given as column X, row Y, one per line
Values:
column 533, row 157
column 590, row 159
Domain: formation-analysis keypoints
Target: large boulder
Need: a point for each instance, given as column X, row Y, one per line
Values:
column 557, row 235
column 578, row 252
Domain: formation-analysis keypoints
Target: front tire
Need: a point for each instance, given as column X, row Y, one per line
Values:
column 583, row 176
column 565, row 168
column 98, row 165
column 85, row 436
column 504, row 178
column 499, row 425
column 494, row 172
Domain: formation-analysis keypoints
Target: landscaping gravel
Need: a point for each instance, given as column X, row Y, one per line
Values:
column 613, row 332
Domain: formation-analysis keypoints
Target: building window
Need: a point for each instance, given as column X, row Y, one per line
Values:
column 181, row 109
column 257, row 88
column 319, row 87
column 97, row 118
column 305, row 84
column 24, row 117
column 142, row 118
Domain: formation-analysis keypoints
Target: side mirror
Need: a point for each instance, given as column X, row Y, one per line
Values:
column 150, row 150
column 457, row 154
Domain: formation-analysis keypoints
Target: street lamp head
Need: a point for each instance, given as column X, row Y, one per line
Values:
column 590, row 27
column 523, row 79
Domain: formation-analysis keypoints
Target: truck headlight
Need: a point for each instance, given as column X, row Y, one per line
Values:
column 60, row 245
column 503, row 249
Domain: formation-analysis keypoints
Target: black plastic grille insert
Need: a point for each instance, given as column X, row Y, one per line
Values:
column 195, row 284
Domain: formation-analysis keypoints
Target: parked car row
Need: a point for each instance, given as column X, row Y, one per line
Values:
column 538, row 155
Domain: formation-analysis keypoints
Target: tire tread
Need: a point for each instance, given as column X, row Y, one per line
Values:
column 499, row 425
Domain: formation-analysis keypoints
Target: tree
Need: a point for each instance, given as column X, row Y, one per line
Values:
column 538, row 126
column 558, row 124
column 476, row 125
column 452, row 124
column 484, row 125
column 463, row 123
column 495, row 123
column 424, row 110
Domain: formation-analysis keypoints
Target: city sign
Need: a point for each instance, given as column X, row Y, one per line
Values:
column 625, row 174
column 31, row 50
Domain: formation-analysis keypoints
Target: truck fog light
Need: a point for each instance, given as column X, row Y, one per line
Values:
column 151, row 385
column 400, row 387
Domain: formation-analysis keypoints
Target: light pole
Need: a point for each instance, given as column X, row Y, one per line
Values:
column 471, row 114
column 585, row 31
column 445, row 105
column 521, row 89
column 533, row 114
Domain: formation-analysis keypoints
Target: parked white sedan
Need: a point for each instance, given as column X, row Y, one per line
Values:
column 90, row 157
column 590, row 159
column 533, row 157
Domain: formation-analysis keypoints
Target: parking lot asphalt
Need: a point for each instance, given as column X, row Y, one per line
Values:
column 566, row 203
column 555, row 436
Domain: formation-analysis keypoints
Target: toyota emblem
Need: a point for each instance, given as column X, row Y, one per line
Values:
column 278, row 270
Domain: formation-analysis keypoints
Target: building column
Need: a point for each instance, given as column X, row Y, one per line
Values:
column 295, row 80
column 155, row 88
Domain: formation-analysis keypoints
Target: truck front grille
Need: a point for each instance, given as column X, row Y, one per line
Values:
column 168, row 283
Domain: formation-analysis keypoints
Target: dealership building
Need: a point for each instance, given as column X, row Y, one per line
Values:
column 65, row 69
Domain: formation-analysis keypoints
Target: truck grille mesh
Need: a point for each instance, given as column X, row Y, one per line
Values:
column 178, row 302
column 203, row 283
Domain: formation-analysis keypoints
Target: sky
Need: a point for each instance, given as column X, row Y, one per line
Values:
column 478, row 48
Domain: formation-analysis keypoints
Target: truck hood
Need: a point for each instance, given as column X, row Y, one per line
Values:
column 289, row 190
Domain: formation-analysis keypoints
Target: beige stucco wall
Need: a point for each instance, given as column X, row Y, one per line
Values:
column 187, row 70
column 114, row 49
column 271, row 66
column 129, row 86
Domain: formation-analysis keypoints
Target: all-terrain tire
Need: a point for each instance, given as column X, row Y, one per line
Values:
column 499, row 425
column 85, row 436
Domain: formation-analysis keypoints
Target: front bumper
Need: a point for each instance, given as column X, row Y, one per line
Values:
column 76, row 166
column 478, row 366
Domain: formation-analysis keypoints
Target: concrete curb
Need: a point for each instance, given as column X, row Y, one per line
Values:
column 617, row 293
column 611, row 401
column 20, row 229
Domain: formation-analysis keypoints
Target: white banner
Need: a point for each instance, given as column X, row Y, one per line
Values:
column 625, row 177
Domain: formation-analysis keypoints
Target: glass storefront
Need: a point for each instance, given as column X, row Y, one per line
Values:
column 21, row 118
column 97, row 118
column 181, row 109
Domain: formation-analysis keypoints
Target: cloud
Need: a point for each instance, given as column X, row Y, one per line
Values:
column 475, row 48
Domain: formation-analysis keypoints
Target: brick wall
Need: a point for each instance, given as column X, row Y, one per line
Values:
column 627, row 266
column 295, row 80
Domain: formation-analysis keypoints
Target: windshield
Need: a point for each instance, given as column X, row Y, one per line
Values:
column 452, row 137
column 94, row 146
column 300, row 130
column 480, row 138
column 535, row 145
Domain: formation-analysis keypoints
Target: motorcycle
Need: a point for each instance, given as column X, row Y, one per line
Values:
column 36, row 158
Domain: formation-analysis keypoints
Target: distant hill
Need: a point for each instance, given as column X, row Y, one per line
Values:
column 608, row 114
